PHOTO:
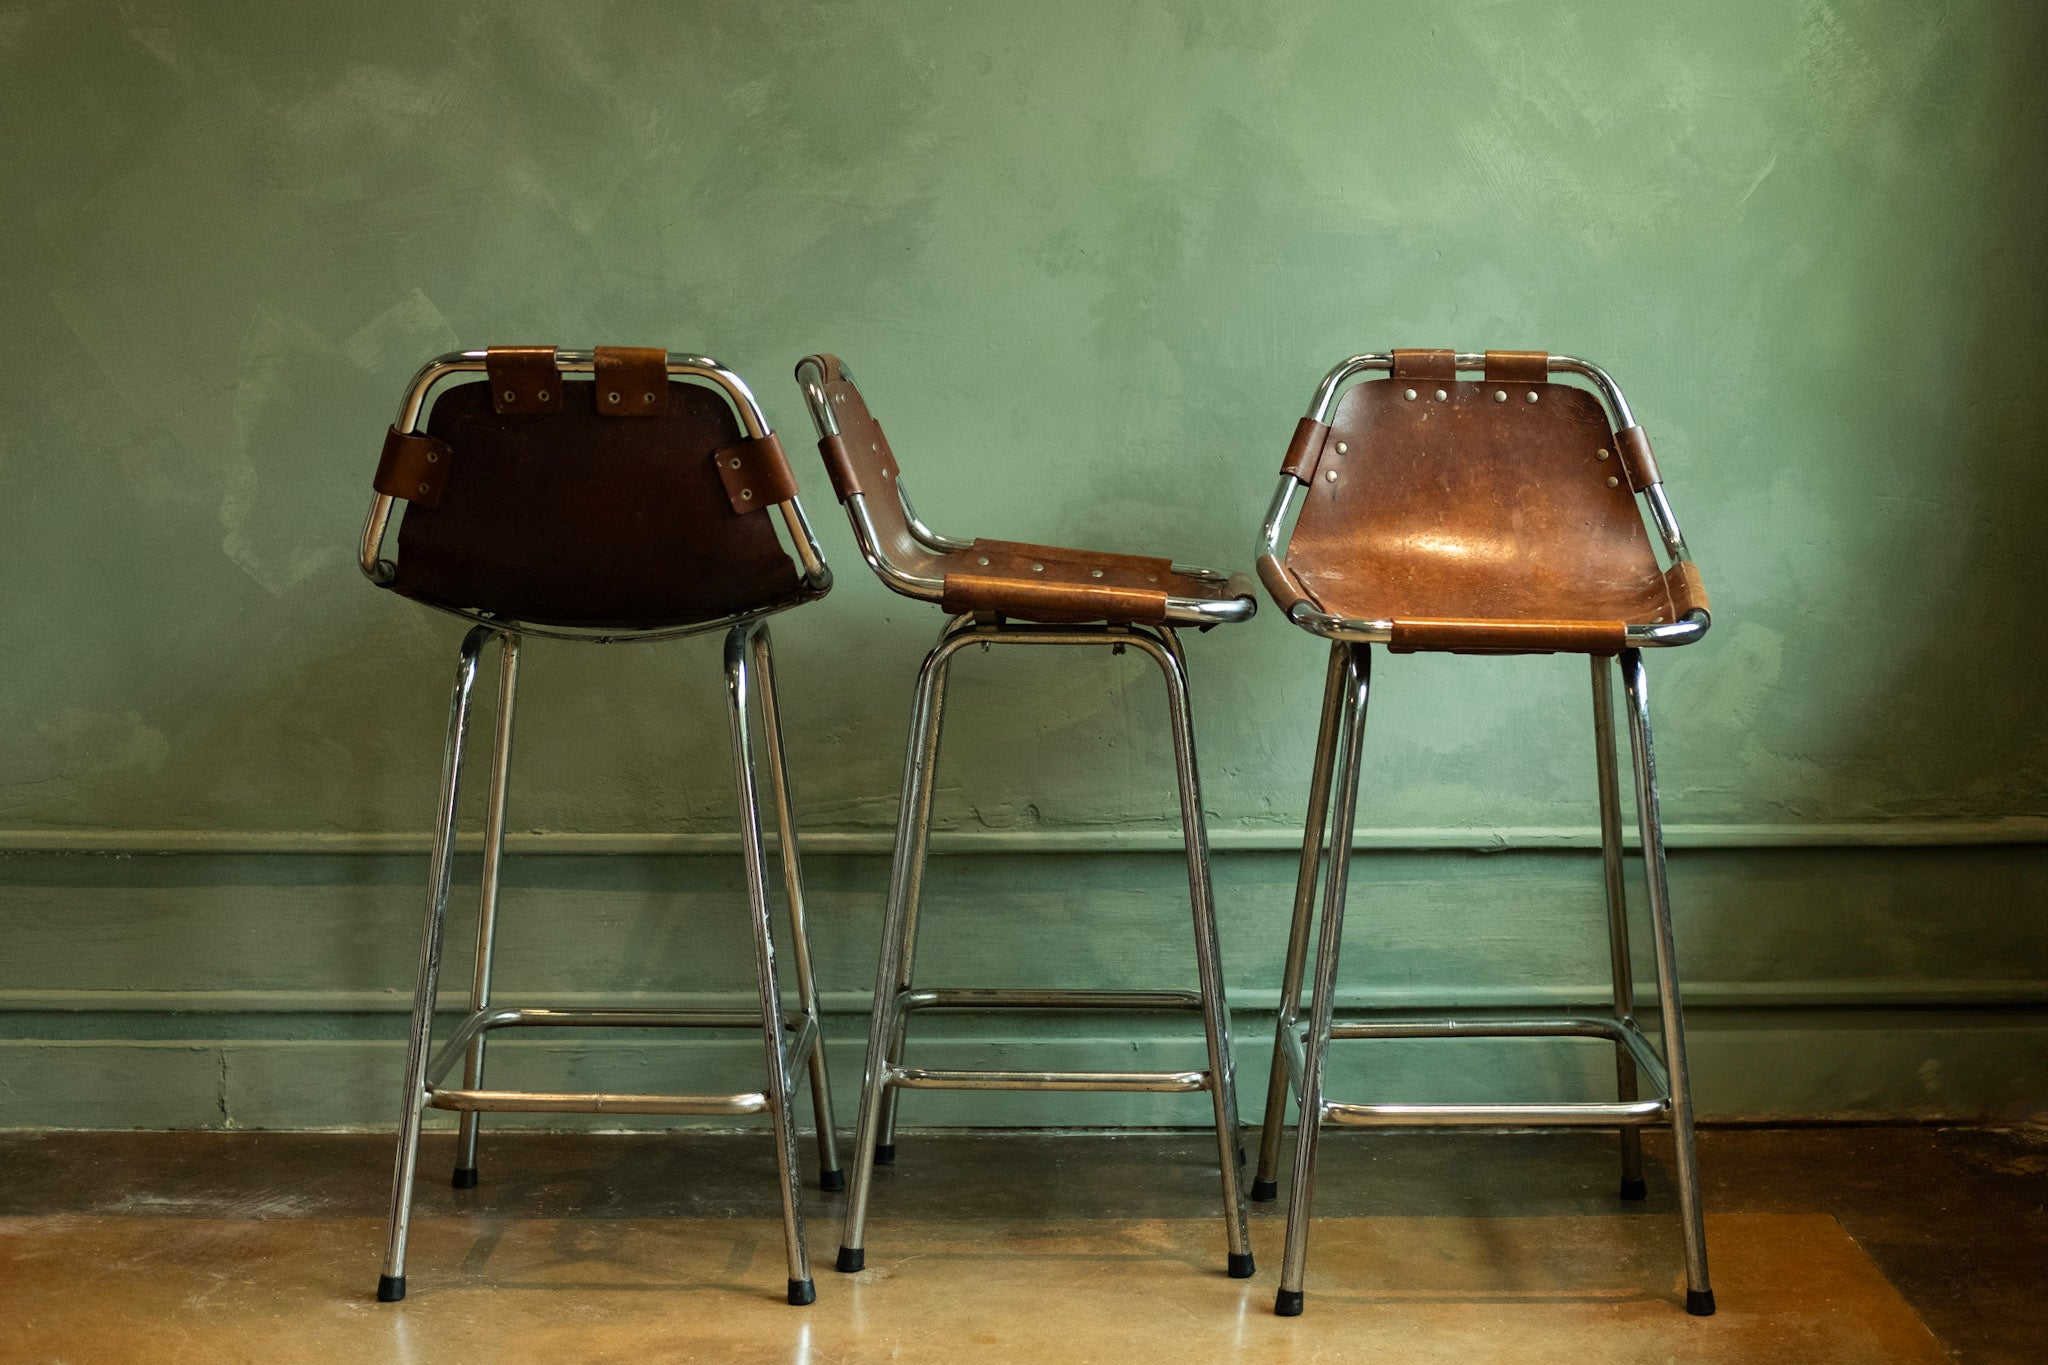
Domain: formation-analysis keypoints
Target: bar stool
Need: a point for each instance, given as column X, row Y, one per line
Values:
column 1477, row 517
column 623, row 507
column 1003, row 593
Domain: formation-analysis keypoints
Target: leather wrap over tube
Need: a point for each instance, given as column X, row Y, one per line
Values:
column 1518, row 367
column 1305, row 449
column 571, row 518
column 1027, row 582
column 631, row 381
column 413, row 467
column 1473, row 524
column 524, row 379
column 755, row 473
column 1632, row 444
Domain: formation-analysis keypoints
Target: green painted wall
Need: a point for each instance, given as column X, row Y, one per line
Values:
column 1089, row 261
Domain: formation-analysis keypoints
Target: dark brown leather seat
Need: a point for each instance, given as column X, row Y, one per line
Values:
column 1006, row 578
column 605, row 504
column 1494, row 515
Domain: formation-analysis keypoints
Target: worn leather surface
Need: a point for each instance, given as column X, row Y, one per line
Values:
column 572, row 518
column 414, row 467
column 523, row 379
column 1518, row 367
column 1070, row 586
column 632, row 381
column 755, row 473
column 1484, row 521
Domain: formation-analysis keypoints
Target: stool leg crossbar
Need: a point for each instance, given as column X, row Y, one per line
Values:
column 792, row 1038
column 896, row 998
column 1299, row 1051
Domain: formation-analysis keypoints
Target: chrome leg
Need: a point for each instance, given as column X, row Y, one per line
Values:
column 1699, row 1294
column 1208, row 957
column 830, row 1177
column 1266, row 1184
column 487, row 901
column 885, row 1021
column 391, row 1284
column 1632, row 1186
column 780, row 1091
column 914, row 856
column 1322, row 1003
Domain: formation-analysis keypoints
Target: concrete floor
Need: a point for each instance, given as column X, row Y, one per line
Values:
column 1849, row 1244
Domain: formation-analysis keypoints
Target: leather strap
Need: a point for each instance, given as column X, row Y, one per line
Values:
column 839, row 467
column 1510, row 637
column 1637, row 461
column 1425, row 364
column 632, row 381
column 414, row 466
column 756, row 474
column 1305, row 450
column 1518, row 367
column 524, row 379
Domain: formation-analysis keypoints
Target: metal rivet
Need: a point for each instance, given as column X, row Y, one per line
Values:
column 1038, row 568
column 1613, row 482
column 1410, row 393
column 1341, row 447
column 611, row 398
column 647, row 398
column 511, row 397
column 982, row 560
column 735, row 462
column 423, row 488
column 1500, row 395
column 1330, row 474
column 543, row 395
column 1532, row 395
column 746, row 495
column 1441, row 395
column 1095, row 573
column 433, row 457
column 1601, row 455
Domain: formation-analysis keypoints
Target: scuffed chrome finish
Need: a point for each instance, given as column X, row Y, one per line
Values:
column 1635, row 683
column 1620, row 965
column 896, row 997
column 1275, row 530
column 439, row 877
column 817, row 577
column 487, row 895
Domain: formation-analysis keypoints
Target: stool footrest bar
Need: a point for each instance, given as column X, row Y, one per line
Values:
column 1584, row 1114
column 483, row 1021
column 920, row 1078
column 1007, row 998
column 542, row 1102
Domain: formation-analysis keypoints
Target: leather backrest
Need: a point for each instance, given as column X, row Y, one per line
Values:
column 569, row 516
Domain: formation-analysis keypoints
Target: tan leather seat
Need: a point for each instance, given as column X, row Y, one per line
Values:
column 1493, row 515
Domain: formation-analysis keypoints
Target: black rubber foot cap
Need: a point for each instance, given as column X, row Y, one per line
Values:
column 465, row 1178
column 885, row 1154
column 1265, row 1191
column 802, row 1292
column 1241, row 1267
column 1698, row 1302
column 831, row 1180
column 852, row 1259
column 391, row 1288
column 1287, row 1303
column 1637, row 1188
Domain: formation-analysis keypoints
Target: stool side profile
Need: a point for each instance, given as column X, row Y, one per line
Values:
column 1007, row 593
column 627, row 508
column 1492, row 516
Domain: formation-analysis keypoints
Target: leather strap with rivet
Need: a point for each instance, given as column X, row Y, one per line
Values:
column 755, row 473
column 524, row 379
column 413, row 467
column 632, row 381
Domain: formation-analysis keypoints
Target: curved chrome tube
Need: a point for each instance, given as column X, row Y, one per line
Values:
column 752, row 421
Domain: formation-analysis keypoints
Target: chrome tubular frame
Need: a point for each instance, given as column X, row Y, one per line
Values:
column 1188, row 611
column 1300, row 1050
column 1275, row 529
column 816, row 577
column 792, row 1038
column 896, row 997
